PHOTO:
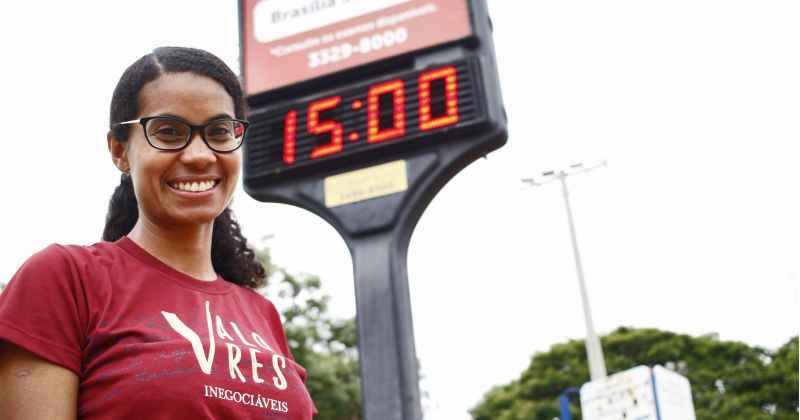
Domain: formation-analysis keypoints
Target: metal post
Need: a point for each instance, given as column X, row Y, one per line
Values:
column 594, row 351
column 387, row 357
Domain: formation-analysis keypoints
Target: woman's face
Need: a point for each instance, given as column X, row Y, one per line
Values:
column 161, row 178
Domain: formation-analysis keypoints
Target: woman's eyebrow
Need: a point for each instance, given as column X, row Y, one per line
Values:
column 219, row 117
column 168, row 115
column 215, row 117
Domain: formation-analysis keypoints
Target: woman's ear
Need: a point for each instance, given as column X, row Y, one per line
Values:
column 119, row 152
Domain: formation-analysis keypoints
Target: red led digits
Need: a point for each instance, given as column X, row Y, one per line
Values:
column 437, row 92
column 289, row 135
column 426, row 120
column 374, row 132
column 317, row 127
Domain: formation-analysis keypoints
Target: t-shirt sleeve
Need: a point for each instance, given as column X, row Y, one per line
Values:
column 43, row 309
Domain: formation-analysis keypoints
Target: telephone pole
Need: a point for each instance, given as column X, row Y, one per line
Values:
column 594, row 351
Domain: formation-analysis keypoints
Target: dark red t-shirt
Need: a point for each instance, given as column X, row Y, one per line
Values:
column 149, row 342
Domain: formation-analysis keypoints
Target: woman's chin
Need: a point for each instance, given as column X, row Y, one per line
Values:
column 198, row 217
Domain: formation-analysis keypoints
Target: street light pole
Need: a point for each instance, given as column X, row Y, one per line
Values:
column 594, row 351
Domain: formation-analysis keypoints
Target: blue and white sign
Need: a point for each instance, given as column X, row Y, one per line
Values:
column 640, row 393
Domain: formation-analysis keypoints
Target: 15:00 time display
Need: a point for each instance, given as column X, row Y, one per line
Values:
column 406, row 110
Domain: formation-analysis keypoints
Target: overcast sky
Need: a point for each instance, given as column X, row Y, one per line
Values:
column 692, row 227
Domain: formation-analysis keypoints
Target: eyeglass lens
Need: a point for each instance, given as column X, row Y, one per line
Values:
column 168, row 133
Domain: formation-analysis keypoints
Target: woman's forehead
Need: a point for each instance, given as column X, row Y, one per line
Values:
column 188, row 95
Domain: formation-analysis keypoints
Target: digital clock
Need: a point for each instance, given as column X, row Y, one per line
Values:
column 399, row 112
column 360, row 112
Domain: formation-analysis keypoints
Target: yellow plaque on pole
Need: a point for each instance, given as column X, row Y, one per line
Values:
column 363, row 184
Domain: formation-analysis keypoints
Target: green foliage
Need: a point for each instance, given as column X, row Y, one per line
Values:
column 730, row 380
column 326, row 347
column 782, row 375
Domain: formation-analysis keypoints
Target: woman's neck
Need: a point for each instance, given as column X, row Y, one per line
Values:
column 186, row 250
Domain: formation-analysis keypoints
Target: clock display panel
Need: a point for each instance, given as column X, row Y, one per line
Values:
column 358, row 123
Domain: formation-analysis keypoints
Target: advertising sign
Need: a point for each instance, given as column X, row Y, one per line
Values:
column 306, row 39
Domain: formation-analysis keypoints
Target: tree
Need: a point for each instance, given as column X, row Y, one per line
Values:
column 730, row 380
column 326, row 347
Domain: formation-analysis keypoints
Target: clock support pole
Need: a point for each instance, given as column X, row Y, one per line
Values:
column 389, row 368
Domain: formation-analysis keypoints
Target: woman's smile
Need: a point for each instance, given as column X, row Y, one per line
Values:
column 194, row 187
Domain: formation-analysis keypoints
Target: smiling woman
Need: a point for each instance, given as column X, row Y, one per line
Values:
column 132, row 327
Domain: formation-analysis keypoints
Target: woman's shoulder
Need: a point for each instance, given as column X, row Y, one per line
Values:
column 95, row 251
column 56, row 250
column 56, row 254
column 65, row 261
column 253, row 297
column 260, row 302
column 52, row 302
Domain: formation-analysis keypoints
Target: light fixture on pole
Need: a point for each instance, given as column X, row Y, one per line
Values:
column 594, row 351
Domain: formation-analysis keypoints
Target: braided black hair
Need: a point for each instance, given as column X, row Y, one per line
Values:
column 230, row 255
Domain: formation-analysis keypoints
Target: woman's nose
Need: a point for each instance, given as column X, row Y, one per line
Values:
column 197, row 152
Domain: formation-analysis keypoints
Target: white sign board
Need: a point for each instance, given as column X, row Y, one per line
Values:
column 640, row 393
column 625, row 395
column 291, row 41
column 673, row 394
column 278, row 19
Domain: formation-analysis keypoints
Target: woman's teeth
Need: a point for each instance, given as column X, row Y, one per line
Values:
column 194, row 186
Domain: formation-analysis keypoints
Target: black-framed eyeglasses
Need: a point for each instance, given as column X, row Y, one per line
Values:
column 170, row 133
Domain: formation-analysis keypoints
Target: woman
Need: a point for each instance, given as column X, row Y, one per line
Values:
column 159, row 321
